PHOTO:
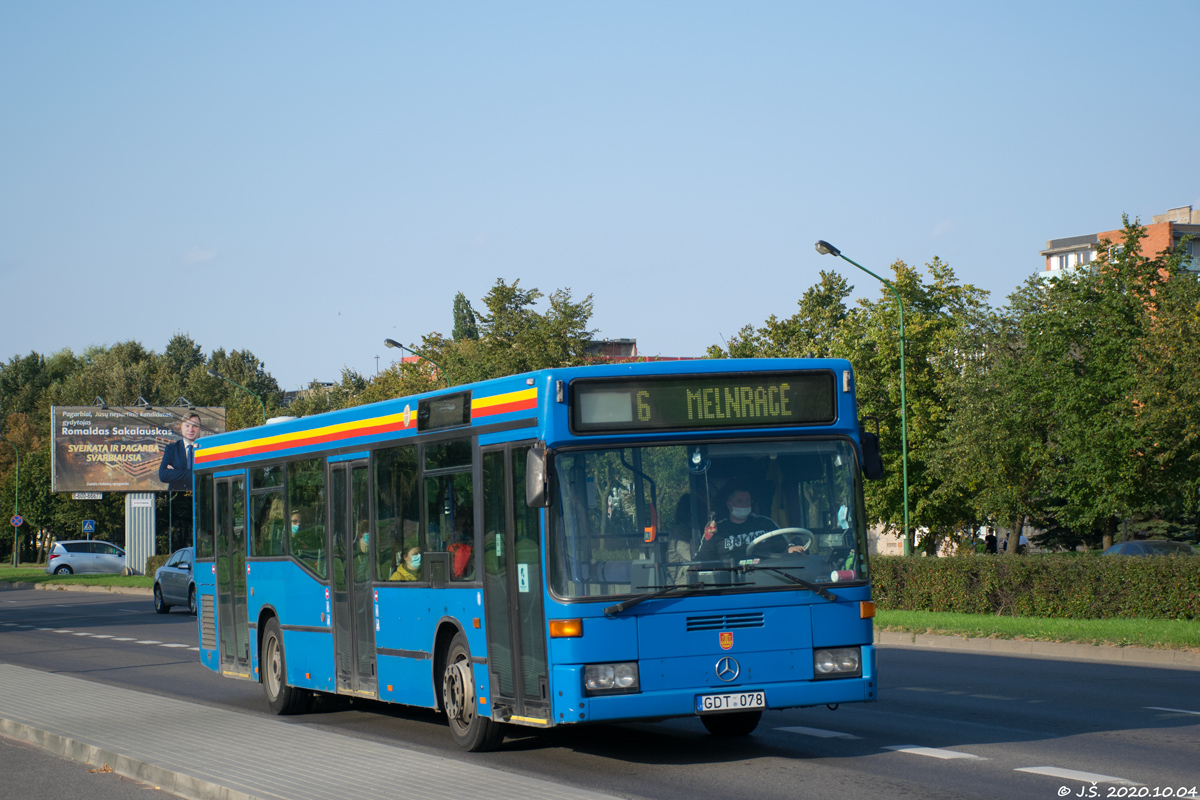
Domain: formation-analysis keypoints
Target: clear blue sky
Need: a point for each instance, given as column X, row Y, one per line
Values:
column 305, row 179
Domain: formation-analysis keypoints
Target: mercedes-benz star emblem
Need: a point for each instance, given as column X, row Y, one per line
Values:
column 728, row 668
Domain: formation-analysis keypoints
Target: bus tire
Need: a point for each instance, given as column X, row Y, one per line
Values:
column 471, row 731
column 282, row 698
column 738, row 723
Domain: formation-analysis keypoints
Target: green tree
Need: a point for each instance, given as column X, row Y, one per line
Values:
column 465, row 324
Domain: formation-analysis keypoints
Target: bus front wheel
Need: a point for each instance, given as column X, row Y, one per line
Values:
column 283, row 698
column 738, row 723
column 471, row 731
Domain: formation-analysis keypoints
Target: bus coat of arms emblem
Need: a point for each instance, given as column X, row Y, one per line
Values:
column 726, row 638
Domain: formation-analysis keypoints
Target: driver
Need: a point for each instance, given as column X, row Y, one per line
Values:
column 730, row 537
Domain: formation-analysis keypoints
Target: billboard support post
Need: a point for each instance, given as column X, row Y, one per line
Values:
column 139, row 531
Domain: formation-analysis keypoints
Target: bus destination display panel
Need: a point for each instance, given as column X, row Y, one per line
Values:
column 746, row 400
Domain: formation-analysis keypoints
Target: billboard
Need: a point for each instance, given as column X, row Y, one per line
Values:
column 120, row 448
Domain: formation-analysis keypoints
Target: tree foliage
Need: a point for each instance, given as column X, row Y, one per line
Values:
column 1074, row 408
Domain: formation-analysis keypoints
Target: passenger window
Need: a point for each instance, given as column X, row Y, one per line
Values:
column 450, row 521
column 397, row 515
column 269, row 525
column 204, row 516
column 306, row 509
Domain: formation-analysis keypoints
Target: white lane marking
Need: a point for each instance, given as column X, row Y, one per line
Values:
column 123, row 639
column 150, row 641
column 45, row 629
column 8, row 624
column 174, row 645
column 102, row 636
column 818, row 732
column 931, row 751
column 1173, row 710
column 197, row 649
column 83, row 634
column 1075, row 775
column 24, row 626
column 64, row 631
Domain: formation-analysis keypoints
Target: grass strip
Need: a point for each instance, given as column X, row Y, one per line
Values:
column 38, row 575
column 1158, row 633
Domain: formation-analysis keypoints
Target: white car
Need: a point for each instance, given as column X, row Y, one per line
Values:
column 85, row 557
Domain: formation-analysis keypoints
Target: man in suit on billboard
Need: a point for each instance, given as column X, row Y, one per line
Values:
column 176, row 467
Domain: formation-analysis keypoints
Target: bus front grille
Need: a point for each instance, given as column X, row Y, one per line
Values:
column 724, row 622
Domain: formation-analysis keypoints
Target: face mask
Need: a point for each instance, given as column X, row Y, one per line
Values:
column 416, row 561
column 739, row 513
column 295, row 528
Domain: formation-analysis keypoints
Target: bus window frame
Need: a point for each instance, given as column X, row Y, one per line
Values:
column 551, row 545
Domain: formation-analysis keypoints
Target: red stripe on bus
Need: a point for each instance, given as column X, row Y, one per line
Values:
column 504, row 408
column 329, row 437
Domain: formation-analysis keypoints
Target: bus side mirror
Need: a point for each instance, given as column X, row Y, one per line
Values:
column 537, row 478
column 872, row 461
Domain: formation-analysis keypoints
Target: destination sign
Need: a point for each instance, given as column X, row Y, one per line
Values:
column 743, row 400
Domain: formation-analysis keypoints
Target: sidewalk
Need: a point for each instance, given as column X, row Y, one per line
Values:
column 1132, row 656
column 208, row 753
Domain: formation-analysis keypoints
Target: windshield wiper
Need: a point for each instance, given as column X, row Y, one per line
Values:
column 633, row 601
column 820, row 590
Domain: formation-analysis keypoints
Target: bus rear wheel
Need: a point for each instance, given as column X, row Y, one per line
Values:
column 282, row 698
column 471, row 732
column 739, row 723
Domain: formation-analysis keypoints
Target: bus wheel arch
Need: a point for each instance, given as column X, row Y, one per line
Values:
column 455, row 690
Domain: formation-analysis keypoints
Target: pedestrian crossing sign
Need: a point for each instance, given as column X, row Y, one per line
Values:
column 89, row 526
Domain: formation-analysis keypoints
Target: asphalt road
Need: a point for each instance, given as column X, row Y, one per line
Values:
column 947, row 724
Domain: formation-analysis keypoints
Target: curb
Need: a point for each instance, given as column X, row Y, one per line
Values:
column 160, row 778
column 1132, row 656
column 79, row 587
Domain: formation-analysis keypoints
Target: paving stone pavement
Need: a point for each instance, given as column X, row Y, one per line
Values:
column 207, row 753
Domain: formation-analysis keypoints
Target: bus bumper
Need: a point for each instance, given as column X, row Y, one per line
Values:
column 572, row 705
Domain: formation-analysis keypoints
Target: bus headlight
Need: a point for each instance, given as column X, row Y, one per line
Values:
column 611, row 678
column 838, row 662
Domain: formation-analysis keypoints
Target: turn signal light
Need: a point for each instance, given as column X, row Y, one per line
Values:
column 566, row 628
column 866, row 609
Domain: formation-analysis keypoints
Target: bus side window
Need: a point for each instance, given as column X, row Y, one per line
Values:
column 306, row 509
column 397, row 514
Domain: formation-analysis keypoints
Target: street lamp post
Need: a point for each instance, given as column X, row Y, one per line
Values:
column 16, row 502
column 826, row 249
column 394, row 343
column 216, row 374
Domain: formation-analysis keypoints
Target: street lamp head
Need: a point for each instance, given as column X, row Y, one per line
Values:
column 393, row 343
column 826, row 249
column 212, row 373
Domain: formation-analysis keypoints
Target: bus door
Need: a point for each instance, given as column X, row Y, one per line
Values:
column 513, row 590
column 353, row 604
column 231, row 576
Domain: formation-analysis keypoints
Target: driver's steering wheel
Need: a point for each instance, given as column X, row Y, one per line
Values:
column 807, row 538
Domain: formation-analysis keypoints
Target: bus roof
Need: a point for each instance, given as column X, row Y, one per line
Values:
column 515, row 401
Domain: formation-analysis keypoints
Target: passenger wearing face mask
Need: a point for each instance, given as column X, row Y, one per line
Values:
column 410, row 568
column 729, row 537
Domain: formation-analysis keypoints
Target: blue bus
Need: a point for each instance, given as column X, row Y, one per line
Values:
column 595, row 544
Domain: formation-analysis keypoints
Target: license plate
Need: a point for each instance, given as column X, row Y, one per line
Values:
column 736, row 701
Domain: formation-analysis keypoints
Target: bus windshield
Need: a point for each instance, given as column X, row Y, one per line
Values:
column 756, row 515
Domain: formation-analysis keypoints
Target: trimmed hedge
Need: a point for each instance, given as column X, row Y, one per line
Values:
column 154, row 562
column 1155, row 587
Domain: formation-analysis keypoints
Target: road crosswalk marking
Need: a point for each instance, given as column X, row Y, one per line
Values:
column 934, row 752
column 818, row 732
column 1075, row 775
column 1173, row 710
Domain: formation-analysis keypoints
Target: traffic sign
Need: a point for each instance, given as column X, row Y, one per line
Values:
column 89, row 526
column 17, row 521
